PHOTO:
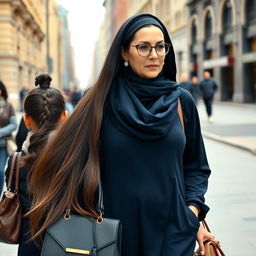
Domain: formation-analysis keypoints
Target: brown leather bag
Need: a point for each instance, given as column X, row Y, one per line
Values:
column 212, row 248
column 10, row 209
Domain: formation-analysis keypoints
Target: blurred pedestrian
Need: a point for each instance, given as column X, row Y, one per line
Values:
column 126, row 132
column 8, row 124
column 44, row 110
column 21, row 134
column 23, row 93
column 68, row 105
column 76, row 96
column 195, row 89
column 185, row 83
column 208, row 88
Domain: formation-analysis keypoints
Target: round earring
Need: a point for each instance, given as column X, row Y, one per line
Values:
column 126, row 63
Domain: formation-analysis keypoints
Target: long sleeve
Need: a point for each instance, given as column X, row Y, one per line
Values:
column 9, row 128
column 195, row 165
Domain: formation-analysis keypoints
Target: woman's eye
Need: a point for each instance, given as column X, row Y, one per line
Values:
column 160, row 46
column 144, row 47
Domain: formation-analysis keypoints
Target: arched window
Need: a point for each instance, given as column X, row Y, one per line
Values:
column 250, row 11
column 208, row 26
column 194, row 32
column 227, row 17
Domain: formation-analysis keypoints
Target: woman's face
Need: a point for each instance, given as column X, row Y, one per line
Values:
column 150, row 66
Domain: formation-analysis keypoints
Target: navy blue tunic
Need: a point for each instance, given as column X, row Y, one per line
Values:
column 148, row 184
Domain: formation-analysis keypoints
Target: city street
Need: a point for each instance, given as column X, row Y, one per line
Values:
column 231, row 195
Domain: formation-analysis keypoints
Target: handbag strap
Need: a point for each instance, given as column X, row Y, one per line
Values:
column 205, row 225
column 216, row 244
column 100, row 205
column 17, row 172
column 11, row 170
column 15, row 158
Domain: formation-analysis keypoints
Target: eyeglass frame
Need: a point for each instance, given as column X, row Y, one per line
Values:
column 150, row 51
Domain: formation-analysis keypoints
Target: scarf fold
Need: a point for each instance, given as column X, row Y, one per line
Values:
column 143, row 108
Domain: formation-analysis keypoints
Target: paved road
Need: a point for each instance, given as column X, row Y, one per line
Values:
column 232, row 198
column 234, row 124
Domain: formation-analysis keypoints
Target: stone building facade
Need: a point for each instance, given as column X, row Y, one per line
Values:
column 222, row 39
column 32, row 41
column 22, row 49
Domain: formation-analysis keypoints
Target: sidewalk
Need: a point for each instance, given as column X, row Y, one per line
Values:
column 233, row 124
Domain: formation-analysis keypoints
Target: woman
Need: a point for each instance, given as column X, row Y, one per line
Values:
column 126, row 131
column 8, row 124
column 44, row 109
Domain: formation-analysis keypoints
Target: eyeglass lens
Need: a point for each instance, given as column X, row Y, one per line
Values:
column 146, row 49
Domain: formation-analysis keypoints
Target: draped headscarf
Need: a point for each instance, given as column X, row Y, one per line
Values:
column 144, row 107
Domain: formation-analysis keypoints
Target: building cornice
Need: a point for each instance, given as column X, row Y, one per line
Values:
column 20, row 9
column 8, row 55
column 7, row 19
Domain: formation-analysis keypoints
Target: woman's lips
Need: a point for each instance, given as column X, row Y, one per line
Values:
column 152, row 66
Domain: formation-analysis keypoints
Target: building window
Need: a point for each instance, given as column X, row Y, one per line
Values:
column 194, row 32
column 227, row 18
column 208, row 26
column 250, row 11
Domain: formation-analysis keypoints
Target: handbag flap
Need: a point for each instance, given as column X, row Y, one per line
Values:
column 77, row 233
column 107, row 232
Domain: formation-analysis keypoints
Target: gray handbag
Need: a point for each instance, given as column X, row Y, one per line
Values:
column 74, row 234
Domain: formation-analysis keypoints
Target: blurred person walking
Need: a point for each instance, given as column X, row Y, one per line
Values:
column 195, row 89
column 208, row 88
column 76, row 96
column 44, row 110
column 185, row 83
column 8, row 124
column 23, row 93
column 157, row 190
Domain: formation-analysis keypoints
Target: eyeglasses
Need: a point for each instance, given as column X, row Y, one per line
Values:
column 145, row 50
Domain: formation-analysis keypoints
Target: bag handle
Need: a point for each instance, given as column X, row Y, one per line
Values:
column 216, row 244
column 181, row 114
column 100, row 205
column 17, row 172
column 11, row 170
column 205, row 225
column 15, row 158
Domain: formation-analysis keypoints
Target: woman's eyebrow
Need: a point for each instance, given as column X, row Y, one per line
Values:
column 146, row 42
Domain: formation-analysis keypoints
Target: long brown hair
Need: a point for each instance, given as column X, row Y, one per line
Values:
column 70, row 164
column 69, row 169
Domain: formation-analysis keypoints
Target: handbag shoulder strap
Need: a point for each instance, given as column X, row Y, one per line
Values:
column 100, row 205
column 180, row 114
column 205, row 225
column 15, row 159
column 14, row 156
column 17, row 172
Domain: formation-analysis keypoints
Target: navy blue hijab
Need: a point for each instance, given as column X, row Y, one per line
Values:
column 144, row 107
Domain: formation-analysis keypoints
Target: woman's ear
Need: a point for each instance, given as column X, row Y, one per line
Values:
column 26, row 119
column 124, row 54
column 30, row 123
column 64, row 115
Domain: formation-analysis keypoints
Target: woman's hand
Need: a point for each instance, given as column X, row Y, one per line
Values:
column 203, row 235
